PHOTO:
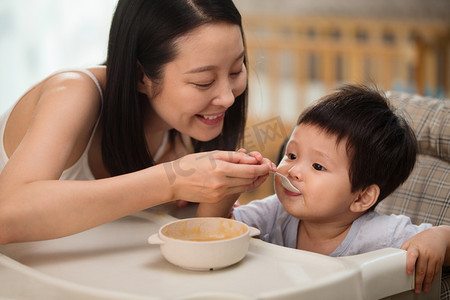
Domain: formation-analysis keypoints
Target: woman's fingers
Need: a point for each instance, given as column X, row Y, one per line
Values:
column 236, row 164
column 212, row 176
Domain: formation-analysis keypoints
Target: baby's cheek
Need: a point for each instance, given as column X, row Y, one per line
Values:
column 277, row 185
column 282, row 167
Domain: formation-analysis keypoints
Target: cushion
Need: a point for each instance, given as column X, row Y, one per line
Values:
column 430, row 119
column 425, row 195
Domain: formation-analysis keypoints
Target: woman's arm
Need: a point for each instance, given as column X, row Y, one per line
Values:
column 46, row 209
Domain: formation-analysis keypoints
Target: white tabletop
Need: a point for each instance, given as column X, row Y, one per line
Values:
column 114, row 261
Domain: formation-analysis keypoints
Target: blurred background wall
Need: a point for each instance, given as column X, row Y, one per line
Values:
column 39, row 37
column 298, row 51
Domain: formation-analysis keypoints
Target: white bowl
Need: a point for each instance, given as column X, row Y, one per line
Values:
column 204, row 243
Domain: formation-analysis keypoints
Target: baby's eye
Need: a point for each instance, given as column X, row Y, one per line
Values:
column 318, row 167
column 291, row 156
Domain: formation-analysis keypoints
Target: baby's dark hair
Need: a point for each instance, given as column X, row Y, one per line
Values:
column 380, row 145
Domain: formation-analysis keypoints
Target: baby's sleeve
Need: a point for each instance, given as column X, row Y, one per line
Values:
column 402, row 230
column 262, row 214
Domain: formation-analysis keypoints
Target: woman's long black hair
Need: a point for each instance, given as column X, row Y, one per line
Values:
column 144, row 32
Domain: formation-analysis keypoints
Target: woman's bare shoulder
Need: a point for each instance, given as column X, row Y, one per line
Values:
column 66, row 101
column 75, row 81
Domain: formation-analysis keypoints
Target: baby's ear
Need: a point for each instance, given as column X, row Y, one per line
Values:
column 365, row 199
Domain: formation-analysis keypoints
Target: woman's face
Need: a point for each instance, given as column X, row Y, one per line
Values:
column 201, row 83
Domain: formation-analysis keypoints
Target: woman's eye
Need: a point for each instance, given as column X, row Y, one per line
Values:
column 236, row 73
column 318, row 167
column 241, row 68
column 291, row 156
column 204, row 85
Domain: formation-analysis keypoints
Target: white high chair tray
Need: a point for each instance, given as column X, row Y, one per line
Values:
column 114, row 261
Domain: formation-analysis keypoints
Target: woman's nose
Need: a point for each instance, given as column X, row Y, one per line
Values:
column 225, row 97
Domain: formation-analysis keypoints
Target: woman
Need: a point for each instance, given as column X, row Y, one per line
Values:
column 85, row 147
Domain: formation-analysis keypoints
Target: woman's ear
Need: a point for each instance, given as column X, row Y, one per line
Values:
column 365, row 199
column 144, row 84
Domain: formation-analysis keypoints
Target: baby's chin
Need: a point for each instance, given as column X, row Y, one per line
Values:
column 293, row 206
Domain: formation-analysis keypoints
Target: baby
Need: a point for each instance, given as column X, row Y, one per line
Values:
column 345, row 155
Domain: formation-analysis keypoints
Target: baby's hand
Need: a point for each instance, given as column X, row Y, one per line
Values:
column 426, row 252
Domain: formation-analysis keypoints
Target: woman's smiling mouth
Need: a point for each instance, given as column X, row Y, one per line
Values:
column 211, row 119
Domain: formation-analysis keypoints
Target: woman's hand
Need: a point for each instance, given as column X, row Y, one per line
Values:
column 260, row 160
column 427, row 252
column 212, row 176
column 224, row 207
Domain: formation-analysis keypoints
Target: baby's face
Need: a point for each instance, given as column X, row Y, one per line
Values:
column 319, row 169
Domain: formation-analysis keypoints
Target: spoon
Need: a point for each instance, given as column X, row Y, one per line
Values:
column 286, row 183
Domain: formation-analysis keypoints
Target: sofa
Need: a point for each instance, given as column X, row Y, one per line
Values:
column 425, row 196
